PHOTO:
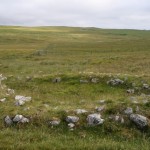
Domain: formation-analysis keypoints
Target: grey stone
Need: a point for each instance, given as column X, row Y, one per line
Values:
column 17, row 118
column 71, row 125
column 24, row 120
column 84, row 81
column 99, row 109
column 115, row 82
column 94, row 119
column 20, row 119
column 80, row 111
column 139, row 120
column 72, row 119
column 20, row 100
column 130, row 91
column 94, row 80
column 145, row 86
column 54, row 122
column 10, row 91
column 101, row 101
column 56, row 80
column 3, row 100
column 8, row 121
column 128, row 111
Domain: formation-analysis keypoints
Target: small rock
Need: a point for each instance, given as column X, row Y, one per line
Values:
column 139, row 120
column 54, row 122
column 23, row 98
column 8, row 121
column 72, row 119
column 145, row 86
column 20, row 119
column 145, row 101
column 122, row 120
column 94, row 80
column 101, row 101
column 17, row 118
column 130, row 91
column 94, row 119
column 117, row 118
column 137, row 109
column 84, row 81
column 128, row 111
column 20, row 100
column 80, row 111
column 115, row 82
column 19, row 103
column 71, row 125
column 99, row 109
column 24, row 120
column 10, row 91
column 3, row 100
column 56, row 80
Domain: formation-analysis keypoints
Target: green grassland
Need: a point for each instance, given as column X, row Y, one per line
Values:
column 30, row 57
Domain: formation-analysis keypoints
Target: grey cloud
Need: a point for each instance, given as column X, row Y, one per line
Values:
column 97, row 13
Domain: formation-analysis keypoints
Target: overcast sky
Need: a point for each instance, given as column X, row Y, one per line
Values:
column 133, row 14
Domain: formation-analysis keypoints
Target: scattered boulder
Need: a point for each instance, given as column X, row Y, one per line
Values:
column 128, row 111
column 139, row 120
column 94, row 119
column 72, row 119
column 117, row 118
column 56, row 80
column 8, row 121
column 115, row 82
column 80, row 111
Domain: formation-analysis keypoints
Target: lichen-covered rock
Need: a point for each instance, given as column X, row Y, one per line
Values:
column 128, row 111
column 94, row 119
column 8, row 121
column 139, row 120
column 72, row 119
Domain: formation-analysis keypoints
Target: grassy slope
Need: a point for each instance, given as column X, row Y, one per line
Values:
column 72, row 53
